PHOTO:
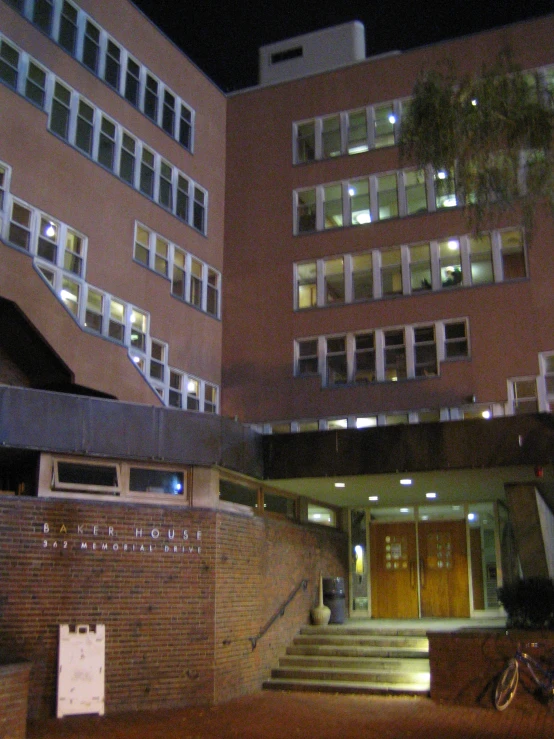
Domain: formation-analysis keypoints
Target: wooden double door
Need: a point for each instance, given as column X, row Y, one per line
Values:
column 419, row 571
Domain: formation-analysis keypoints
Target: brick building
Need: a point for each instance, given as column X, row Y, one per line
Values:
column 242, row 345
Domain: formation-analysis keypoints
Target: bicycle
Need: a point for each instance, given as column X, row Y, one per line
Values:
column 509, row 678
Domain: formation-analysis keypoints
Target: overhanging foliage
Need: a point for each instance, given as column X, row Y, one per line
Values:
column 492, row 133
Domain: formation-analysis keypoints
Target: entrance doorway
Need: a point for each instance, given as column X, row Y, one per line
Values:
column 439, row 563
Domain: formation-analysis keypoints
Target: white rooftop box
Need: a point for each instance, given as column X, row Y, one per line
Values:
column 312, row 53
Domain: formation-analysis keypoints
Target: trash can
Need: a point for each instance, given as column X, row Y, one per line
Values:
column 334, row 598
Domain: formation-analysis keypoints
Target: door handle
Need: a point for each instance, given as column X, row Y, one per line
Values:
column 422, row 572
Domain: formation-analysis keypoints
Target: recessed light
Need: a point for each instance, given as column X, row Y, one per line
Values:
column 404, row 510
column 405, row 481
column 340, row 485
column 373, row 497
column 430, row 495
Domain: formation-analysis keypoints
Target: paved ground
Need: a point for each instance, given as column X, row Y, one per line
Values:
column 282, row 715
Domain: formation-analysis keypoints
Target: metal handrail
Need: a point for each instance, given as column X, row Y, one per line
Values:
column 278, row 613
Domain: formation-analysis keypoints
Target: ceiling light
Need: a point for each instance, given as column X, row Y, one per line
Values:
column 404, row 510
column 373, row 498
column 453, row 245
column 362, row 218
column 430, row 495
column 405, row 481
column 392, row 119
column 340, row 485
column 441, row 175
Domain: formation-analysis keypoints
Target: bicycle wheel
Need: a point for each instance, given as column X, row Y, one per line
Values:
column 506, row 686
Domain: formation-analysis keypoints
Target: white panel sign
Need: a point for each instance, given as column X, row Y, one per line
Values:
column 81, row 670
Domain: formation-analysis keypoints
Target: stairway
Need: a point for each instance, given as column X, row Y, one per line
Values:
column 351, row 659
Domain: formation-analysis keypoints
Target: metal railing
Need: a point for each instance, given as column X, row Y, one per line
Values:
column 278, row 613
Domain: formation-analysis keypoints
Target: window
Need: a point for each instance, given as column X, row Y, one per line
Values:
column 199, row 210
column 127, row 159
column 387, row 196
column 320, row 515
column 19, row 233
column 307, row 357
column 210, row 399
column 106, row 144
column 450, row 264
column 420, row 267
column 395, row 355
column 148, row 480
column 69, row 294
column 480, row 257
column 157, row 360
column 142, row 245
column 68, row 28
column 193, row 395
column 59, row 115
column 364, row 357
column 196, row 283
column 336, row 369
column 147, row 172
column 84, row 131
column 175, row 397
column 330, row 135
column 132, row 82
column 212, row 297
column 182, row 209
column 306, row 281
column 234, row 492
column 385, row 120
column 455, row 340
column 168, row 114
column 166, row 192
column 416, row 192
column 305, row 142
column 139, row 327
column 425, row 351
column 445, row 190
column 116, row 327
column 89, row 477
column 35, row 85
column 151, row 98
column 391, row 272
column 112, row 68
column 42, row 15
column 91, row 47
column 524, row 391
column 547, row 370
column 161, row 257
column 9, row 61
column 47, row 246
column 178, row 282
column 94, row 315
column 358, row 194
column 362, row 276
column 334, row 281
column 357, row 132
column 512, row 253
column 3, row 179
column 306, row 211
column 185, row 127
column 332, row 206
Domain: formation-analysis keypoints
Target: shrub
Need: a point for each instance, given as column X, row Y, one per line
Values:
column 529, row 603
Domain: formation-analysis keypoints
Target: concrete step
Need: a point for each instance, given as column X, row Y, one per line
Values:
column 363, row 630
column 414, row 643
column 354, row 675
column 350, row 663
column 348, row 650
column 337, row 686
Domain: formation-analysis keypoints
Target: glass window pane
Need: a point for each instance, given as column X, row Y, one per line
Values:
column 513, row 256
column 387, row 196
column 357, row 132
column 331, row 144
column 385, row 120
column 358, row 193
column 450, row 263
column 362, row 276
column 143, row 480
column 306, row 211
column 305, row 142
column 334, row 280
column 420, row 267
column 332, row 206
column 307, row 284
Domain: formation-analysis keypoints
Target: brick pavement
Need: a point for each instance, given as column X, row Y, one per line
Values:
column 282, row 715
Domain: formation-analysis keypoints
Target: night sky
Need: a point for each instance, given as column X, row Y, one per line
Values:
column 223, row 37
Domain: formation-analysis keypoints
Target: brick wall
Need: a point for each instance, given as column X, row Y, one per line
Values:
column 177, row 623
column 14, row 688
column 260, row 562
column 466, row 665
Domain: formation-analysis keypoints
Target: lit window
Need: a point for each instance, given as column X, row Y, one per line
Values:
column 210, row 399
column 95, row 310
column 332, row 206
column 357, row 132
column 334, row 281
column 395, row 355
column 139, row 324
column 358, row 194
column 306, row 281
column 387, row 196
column 416, row 192
column 19, row 233
column 362, row 276
column 480, row 256
column 450, row 263
column 116, row 329
column 384, row 126
column 196, row 283
column 525, row 395
column 142, row 245
column 70, row 295
column 391, row 272
column 330, row 135
column 161, row 257
column 47, row 246
column 193, row 394
column 420, row 267
column 425, row 351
